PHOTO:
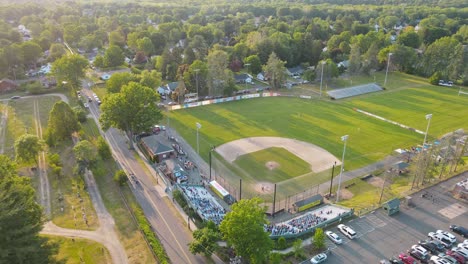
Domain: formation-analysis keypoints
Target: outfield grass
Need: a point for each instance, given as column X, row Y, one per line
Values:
column 289, row 165
column 78, row 251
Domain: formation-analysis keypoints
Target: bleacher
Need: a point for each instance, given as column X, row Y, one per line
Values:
column 354, row 91
column 204, row 203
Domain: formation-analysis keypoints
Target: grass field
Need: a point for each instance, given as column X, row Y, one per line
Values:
column 322, row 122
column 79, row 251
column 289, row 165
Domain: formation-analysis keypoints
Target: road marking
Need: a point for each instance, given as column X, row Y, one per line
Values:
column 377, row 222
column 453, row 210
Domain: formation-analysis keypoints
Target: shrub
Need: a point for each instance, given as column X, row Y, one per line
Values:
column 103, row 149
column 434, row 79
column 120, row 177
column 282, row 243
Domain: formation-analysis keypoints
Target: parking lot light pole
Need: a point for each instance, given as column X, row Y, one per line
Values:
column 428, row 118
column 198, row 145
column 344, row 139
column 386, row 72
column 321, row 78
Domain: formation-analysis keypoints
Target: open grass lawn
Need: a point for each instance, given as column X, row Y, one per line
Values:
column 78, row 251
column 286, row 165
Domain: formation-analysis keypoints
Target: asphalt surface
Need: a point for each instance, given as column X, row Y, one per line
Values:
column 164, row 218
column 381, row 236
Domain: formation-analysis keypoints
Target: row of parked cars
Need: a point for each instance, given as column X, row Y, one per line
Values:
column 335, row 238
column 440, row 248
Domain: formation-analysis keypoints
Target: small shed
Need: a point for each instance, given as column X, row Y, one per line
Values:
column 310, row 202
column 156, row 151
column 401, row 167
column 392, row 206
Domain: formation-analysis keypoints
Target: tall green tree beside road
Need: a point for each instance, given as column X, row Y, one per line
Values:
column 27, row 147
column 276, row 71
column 85, row 152
column 132, row 110
column 243, row 229
column 119, row 79
column 70, row 69
column 62, row 122
column 319, row 239
column 255, row 65
column 205, row 240
column 20, row 219
column 114, row 56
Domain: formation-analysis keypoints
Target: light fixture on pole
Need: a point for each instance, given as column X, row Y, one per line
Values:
column 196, row 80
column 247, row 66
column 321, row 78
column 386, row 72
column 428, row 118
column 344, row 139
column 198, row 145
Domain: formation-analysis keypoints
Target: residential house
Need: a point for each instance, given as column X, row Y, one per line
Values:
column 295, row 71
column 172, row 86
column 7, row 85
column 243, row 78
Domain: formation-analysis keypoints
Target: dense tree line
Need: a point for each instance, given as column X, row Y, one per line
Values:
column 171, row 37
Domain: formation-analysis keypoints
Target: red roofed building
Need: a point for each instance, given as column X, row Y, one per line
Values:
column 7, row 85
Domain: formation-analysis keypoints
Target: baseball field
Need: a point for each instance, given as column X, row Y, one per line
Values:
column 322, row 123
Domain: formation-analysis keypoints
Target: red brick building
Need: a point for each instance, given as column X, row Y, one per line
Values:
column 7, row 85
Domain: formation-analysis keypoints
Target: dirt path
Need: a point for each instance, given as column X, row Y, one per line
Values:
column 42, row 168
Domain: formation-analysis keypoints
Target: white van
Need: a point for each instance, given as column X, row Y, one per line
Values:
column 347, row 231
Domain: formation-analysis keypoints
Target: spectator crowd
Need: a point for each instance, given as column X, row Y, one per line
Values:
column 204, row 203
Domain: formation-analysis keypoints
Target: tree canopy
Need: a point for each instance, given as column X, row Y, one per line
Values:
column 70, row 69
column 27, row 147
column 243, row 229
column 133, row 109
column 62, row 122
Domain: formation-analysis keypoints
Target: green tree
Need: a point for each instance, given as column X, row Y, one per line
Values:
column 276, row 71
column 255, row 66
column 27, row 147
column 21, row 219
column 116, row 38
column 132, row 110
column 297, row 249
column 409, row 39
column 56, row 51
column 81, row 114
column 309, row 75
column 243, row 229
column 70, row 69
column 31, row 52
column 119, row 79
column 354, row 59
column 151, row 79
column 446, row 56
column 146, row 46
column 62, row 121
column 120, row 177
column 85, row 152
column 218, row 73
column 103, row 149
column 319, row 239
column 434, row 79
column 205, row 240
column 114, row 56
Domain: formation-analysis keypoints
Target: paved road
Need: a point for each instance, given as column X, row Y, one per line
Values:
column 165, row 220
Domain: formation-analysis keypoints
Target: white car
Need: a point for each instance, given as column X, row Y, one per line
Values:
column 86, row 105
column 441, row 238
column 463, row 245
column 347, row 231
column 420, row 249
column 461, row 251
column 334, row 237
column 439, row 260
column 318, row 258
column 448, row 235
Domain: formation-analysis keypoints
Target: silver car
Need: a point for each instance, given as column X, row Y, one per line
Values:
column 334, row 237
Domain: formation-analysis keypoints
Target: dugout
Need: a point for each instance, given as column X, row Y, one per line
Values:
column 392, row 206
column 310, row 202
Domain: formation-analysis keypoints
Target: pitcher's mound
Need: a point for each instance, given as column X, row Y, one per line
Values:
column 271, row 165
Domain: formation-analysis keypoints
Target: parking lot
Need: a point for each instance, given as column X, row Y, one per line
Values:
column 381, row 236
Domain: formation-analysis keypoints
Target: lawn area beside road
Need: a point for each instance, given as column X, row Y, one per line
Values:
column 273, row 165
column 79, row 251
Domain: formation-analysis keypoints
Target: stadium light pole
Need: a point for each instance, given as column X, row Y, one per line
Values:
column 428, row 118
column 321, row 78
column 344, row 139
column 196, row 80
column 386, row 72
column 198, row 145
column 211, row 150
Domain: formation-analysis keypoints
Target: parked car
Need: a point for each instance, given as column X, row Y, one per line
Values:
column 334, row 237
column 347, row 231
column 419, row 256
column 15, row 97
column 428, row 245
column 419, row 249
column 441, row 238
column 439, row 260
column 395, row 261
column 461, row 251
column 459, row 230
column 86, row 105
column 460, row 258
column 438, row 244
column 451, row 237
column 318, row 258
column 450, row 259
column 406, row 259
